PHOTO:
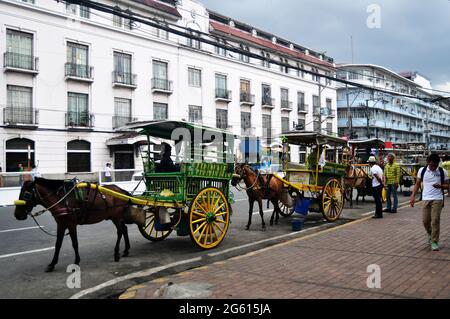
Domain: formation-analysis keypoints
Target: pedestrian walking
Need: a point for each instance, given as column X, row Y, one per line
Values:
column 391, row 182
column 377, row 185
column 20, row 169
column 434, row 180
column 108, row 177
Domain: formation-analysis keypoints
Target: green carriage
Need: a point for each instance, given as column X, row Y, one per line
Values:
column 197, row 196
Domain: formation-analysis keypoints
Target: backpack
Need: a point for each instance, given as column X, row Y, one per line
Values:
column 442, row 174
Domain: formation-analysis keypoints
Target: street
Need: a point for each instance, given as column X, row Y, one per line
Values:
column 25, row 251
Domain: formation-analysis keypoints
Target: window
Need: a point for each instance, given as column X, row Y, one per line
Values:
column 284, row 93
column 194, row 77
column 194, row 43
column 283, row 67
column 317, row 126
column 285, row 127
column 17, row 153
column 315, row 77
column 77, row 60
column 222, row 119
column 301, row 101
column 316, row 104
column 302, row 155
column 19, row 105
column 266, row 95
column 300, row 72
column 267, row 126
column 221, row 86
column 220, row 50
column 160, row 111
column 160, row 75
column 195, row 114
column 265, row 59
column 246, row 122
column 330, row 128
column 78, row 110
column 28, row 1
column 243, row 57
column 163, row 34
column 19, row 50
column 78, row 156
column 122, row 68
column 122, row 112
column 85, row 12
column 71, row 8
column 120, row 22
column 329, row 109
column 301, row 126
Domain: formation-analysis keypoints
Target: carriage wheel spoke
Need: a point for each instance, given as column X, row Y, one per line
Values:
column 194, row 212
column 198, row 220
column 206, row 234
column 218, row 226
column 199, row 227
column 219, row 208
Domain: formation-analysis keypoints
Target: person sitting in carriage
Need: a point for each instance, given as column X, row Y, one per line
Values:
column 166, row 165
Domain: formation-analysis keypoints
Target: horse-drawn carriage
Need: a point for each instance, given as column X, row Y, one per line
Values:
column 319, row 181
column 192, row 198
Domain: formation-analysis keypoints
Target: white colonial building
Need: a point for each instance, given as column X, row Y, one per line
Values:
column 72, row 77
column 419, row 116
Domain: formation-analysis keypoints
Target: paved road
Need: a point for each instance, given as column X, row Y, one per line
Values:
column 22, row 274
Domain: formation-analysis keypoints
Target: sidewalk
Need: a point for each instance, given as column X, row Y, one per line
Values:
column 328, row 264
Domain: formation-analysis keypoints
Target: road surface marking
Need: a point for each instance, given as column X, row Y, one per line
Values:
column 17, row 229
column 143, row 273
column 26, row 252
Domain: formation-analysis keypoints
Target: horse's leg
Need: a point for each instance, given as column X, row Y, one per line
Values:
column 275, row 213
column 119, row 238
column 59, row 239
column 126, row 252
column 74, row 238
column 250, row 213
column 261, row 213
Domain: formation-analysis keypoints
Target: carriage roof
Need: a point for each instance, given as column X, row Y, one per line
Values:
column 164, row 129
column 312, row 138
column 372, row 142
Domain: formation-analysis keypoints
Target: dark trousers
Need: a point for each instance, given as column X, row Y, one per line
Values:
column 377, row 191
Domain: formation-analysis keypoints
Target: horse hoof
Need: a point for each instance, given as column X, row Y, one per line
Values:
column 50, row 268
column 264, row 228
column 247, row 227
column 116, row 258
column 271, row 224
column 276, row 222
column 126, row 254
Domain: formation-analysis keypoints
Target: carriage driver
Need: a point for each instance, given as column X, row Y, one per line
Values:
column 166, row 164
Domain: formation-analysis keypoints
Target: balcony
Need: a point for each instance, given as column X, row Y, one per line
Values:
column 15, row 62
column 124, row 79
column 161, row 86
column 247, row 99
column 286, row 105
column 316, row 111
column 79, row 72
column 121, row 121
column 23, row 117
column 302, row 108
column 223, row 95
column 268, row 103
column 248, row 131
column 79, row 120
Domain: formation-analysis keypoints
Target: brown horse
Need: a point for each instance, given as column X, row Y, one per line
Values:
column 256, row 191
column 71, row 207
column 356, row 178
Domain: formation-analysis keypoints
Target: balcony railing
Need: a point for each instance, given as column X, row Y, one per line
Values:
column 286, row 105
column 120, row 121
column 20, row 116
column 79, row 120
column 302, row 108
column 161, row 85
column 223, row 95
column 268, row 102
column 247, row 98
column 124, row 79
column 20, row 62
column 79, row 71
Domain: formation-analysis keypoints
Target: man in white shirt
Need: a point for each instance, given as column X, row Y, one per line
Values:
column 377, row 185
column 435, row 180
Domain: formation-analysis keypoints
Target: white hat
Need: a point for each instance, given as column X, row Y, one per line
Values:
column 372, row 159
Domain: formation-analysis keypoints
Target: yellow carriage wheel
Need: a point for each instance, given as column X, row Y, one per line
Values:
column 209, row 218
column 149, row 231
column 332, row 200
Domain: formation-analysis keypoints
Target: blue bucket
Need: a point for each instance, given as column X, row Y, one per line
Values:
column 302, row 206
column 297, row 224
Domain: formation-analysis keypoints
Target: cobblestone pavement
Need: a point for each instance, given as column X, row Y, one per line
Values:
column 328, row 264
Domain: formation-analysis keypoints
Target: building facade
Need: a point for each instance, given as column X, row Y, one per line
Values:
column 73, row 77
column 365, row 113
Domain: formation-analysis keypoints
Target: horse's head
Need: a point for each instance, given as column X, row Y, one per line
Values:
column 238, row 174
column 27, row 201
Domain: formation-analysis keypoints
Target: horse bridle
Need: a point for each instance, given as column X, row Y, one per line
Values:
column 241, row 176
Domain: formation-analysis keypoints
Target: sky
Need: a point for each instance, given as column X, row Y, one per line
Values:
column 404, row 35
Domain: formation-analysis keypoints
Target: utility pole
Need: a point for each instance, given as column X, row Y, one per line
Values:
column 349, row 114
column 368, row 120
column 320, row 106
